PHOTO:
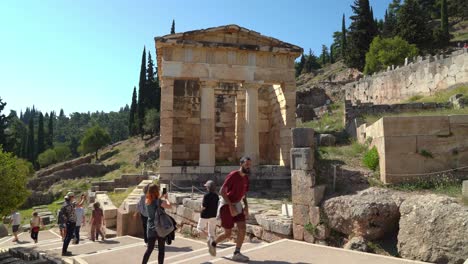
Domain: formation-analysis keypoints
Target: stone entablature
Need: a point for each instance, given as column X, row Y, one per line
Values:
column 424, row 76
column 226, row 92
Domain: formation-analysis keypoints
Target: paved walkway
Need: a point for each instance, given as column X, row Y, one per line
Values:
column 124, row 250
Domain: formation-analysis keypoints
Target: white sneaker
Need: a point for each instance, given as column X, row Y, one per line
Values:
column 240, row 258
column 211, row 249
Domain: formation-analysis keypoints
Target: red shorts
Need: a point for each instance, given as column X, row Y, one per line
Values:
column 227, row 221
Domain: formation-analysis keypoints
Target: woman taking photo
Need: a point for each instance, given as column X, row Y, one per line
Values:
column 153, row 200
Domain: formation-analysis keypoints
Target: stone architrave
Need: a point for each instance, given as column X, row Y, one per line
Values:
column 207, row 124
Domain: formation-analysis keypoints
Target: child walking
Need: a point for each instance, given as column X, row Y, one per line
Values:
column 209, row 211
column 97, row 221
column 36, row 224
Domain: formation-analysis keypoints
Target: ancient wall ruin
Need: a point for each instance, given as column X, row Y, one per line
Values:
column 422, row 76
column 418, row 147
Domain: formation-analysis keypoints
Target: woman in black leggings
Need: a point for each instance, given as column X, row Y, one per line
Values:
column 152, row 201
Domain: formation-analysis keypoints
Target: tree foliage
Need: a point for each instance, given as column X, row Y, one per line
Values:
column 14, row 173
column 385, row 52
column 40, row 134
column 3, row 124
column 362, row 31
column 413, row 26
column 94, row 139
column 151, row 125
column 173, row 27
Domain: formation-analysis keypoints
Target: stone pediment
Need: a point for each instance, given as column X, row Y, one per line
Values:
column 229, row 36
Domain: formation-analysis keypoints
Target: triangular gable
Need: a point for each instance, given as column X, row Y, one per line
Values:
column 229, row 34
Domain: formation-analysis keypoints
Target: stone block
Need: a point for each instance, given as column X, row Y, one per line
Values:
column 195, row 217
column 326, row 140
column 302, row 194
column 255, row 230
column 302, row 137
column 301, row 214
column 465, row 189
column 176, row 198
column 110, row 213
column 416, row 125
column 302, row 159
column 111, row 222
column 286, row 210
column 194, row 204
column 314, row 215
column 186, row 229
column 281, row 227
column 272, row 237
column 322, row 232
column 298, row 232
column 308, row 237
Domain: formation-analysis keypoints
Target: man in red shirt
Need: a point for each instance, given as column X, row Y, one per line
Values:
column 233, row 191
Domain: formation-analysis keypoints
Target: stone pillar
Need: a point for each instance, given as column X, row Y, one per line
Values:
column 251, row 140
column 207, row 124
column 286, row 95
column 306, row 195
column 240, row 123
column 166, row 127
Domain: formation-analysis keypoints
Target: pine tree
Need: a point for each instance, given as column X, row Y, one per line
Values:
column 142, row 93
column 133, row 108
column 343, row 37
column 40, row 135
column 324, row 57
column 31, row 150
column 311, row 62
column 361, row 34
column 332, row 60
column 173, row 27
column 50, row 130
column 412, row 25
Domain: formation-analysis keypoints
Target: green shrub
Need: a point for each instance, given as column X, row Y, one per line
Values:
column 371, row 159
column 63, row 152
column 426, row 154
column 47, row 157
column 310, row 228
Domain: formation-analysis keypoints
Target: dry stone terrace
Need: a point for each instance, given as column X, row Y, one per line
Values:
column 228, row 92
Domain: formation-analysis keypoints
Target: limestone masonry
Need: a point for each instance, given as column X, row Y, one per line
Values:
column 226, row 92
column 422, row 77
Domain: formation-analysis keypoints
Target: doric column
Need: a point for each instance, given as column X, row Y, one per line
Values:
column 240, row 123
column 207, row 124
column 166, row 123
column 288, row 113
column 251, row 140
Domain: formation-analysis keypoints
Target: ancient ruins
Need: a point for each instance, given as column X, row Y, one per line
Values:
column 227, row 92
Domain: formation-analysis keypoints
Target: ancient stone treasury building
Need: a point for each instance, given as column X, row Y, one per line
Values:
column 226, row 92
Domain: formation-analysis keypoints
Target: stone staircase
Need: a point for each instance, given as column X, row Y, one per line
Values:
column 128, row 249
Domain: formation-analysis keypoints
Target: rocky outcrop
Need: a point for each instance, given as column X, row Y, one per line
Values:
column 38, row 198
column 80, row 171
column 370, row 213
column 358, row 244
column 3, row 231
column 433, row 229
column 64, row 165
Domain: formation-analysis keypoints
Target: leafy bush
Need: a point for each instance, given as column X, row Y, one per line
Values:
column 384, row 52
column 46, row 158
column 426, row 154
column 371, row 159
column 310, row 228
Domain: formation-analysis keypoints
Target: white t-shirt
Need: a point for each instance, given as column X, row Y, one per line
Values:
column 16, row 217
column 79, row 212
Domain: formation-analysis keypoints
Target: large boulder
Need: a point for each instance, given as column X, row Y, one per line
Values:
column 370, row 213
column 3, row 231
column 433, row 229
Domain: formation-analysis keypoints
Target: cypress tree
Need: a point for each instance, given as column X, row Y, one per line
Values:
column 133, row 108
column 324, row 57
column 3, row 124
column 444, row 26
column 173, row 27
column 40, row 135
column 150, row 84
column 50, row 134
column 343, row 37
column 31, row 149
column 332, row 60
column 142, row 92
column 158, row 91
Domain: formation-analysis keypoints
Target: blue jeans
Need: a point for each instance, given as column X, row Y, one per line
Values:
column 76, row 234
column 70, row 231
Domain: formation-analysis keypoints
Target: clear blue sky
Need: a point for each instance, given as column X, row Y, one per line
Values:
column 85, row 55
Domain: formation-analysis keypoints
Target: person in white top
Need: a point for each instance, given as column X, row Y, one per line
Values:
column 80, row 219
column 15, row 222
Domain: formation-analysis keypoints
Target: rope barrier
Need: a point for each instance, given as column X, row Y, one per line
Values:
column 429, row 173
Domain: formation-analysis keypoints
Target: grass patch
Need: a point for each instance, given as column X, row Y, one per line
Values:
column 350, row 154
column 370, row 119
column 330, row 122
column 439, row 97
column 78, row 186
column 310, row 228
column 426, row 154
column 117, row 198
column 53, row 207
column 442, row 185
